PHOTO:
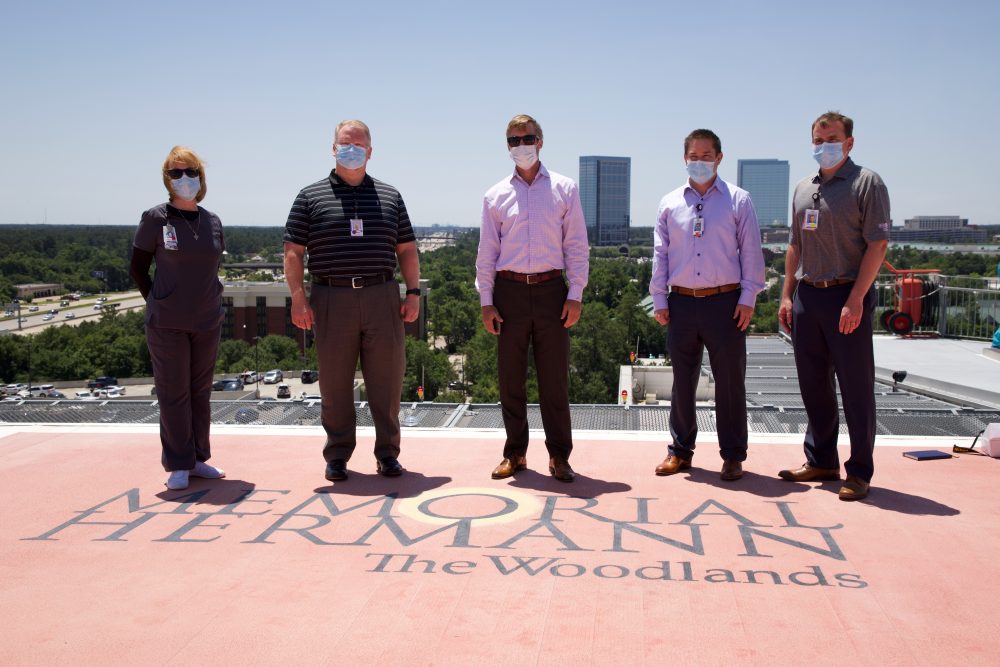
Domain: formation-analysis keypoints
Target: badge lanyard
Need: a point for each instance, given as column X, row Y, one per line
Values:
column 699, row 222
column 357, row 224
column 811, row 220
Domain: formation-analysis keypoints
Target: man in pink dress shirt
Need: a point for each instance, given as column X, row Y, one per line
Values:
column 532, row 231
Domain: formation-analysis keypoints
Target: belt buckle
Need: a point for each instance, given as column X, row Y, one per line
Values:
column 354, row 282
column 527, row 278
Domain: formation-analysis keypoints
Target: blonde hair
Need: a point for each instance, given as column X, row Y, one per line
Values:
column 520, row 122
column 191, row 159
column 352, row 123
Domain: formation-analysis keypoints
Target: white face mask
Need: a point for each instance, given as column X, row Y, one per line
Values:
column 186, row 187
column 700, row 171
column 524, row 157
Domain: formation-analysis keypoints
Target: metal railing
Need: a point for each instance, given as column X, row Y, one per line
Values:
column 953, row 306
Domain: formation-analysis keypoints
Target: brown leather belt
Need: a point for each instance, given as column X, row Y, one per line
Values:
column 705, row 291
column 823, row 284
column 530, row 278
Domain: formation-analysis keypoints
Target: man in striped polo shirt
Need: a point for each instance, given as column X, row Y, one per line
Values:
column 354, row 228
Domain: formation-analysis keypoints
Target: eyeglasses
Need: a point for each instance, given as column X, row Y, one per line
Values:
column 527, row 140
column 177, row 173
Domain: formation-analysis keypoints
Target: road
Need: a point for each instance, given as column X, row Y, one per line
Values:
column 83, row 310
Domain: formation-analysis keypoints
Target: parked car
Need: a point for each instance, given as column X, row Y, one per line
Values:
column 249, row 377
column 273, row 376
column 101, row 382
column 115, row 387
column 55, row 393
column 308, row 397
column 308, row 377
column 227, row 384
column 284, row 391
column 83, row 395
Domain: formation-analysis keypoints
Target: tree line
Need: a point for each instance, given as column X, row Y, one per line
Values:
column 458, row 360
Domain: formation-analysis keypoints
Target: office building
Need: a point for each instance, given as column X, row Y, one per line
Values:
column 605, row 187
column 767, row 183
column 938, row 229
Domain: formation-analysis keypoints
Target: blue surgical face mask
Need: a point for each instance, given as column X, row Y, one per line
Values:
column 186, row 187
column 350, row 156
column 828, row 155
column 700, row 172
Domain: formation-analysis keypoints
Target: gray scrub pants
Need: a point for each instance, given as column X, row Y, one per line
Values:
column 351, row 322
column 183, row 365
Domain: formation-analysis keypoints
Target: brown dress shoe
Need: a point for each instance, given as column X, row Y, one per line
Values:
column 731, row 471
column 808, row 473
column 560, row 469
column 672, row 464
column 854, row 488
column 510, row 466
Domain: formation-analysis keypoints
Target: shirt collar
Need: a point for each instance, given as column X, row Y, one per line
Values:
column 335, row 179
column 542, row 173
column 714, row 186
column 843, row 173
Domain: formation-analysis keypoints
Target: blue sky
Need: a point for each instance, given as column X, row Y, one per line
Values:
column 96, row 93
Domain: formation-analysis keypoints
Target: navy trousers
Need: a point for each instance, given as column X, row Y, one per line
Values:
column 822, row 352
column 696, row 324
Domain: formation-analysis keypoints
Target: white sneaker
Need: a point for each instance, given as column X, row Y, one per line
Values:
column 202, row 469
column 178, row 480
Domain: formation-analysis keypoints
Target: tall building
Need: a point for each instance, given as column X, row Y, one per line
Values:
column 767, row 183
column 605, row 186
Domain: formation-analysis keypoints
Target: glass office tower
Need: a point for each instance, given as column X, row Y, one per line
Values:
column 605, row 186
column 767, row 183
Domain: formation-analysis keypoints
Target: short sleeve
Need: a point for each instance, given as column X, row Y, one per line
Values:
column 147, row 234
column 297, row 226
column 875, row 210
column 404, row 232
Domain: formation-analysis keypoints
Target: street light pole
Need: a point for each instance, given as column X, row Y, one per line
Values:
column 256, row 368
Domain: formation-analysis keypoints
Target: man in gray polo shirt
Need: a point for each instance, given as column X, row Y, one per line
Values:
column 839, row 235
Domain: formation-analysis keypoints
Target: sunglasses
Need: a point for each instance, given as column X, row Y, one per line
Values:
column 527, row 140
column 177, row 173
column 971, row 449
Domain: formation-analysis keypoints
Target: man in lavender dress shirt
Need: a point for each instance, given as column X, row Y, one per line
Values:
column 532, row 230
column 707, row 270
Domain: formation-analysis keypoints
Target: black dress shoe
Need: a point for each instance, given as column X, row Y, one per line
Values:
column 389, row 467
column 336, row 470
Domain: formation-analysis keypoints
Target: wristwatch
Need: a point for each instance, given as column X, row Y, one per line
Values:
column 415, row 290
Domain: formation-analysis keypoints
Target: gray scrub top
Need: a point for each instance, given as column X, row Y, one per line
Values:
column 186, row 293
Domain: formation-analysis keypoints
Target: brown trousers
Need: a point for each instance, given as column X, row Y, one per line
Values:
column 351, row 322
column 531, row 314
column 183, row 365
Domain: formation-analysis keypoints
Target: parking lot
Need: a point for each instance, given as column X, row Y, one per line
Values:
column 144, row 390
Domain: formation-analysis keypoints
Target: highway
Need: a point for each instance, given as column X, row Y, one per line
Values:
column 82, row 310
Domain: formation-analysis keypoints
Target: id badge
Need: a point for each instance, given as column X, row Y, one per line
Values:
column 811, row 219
column 357, row 227
column 699, row 227
column 169, row 237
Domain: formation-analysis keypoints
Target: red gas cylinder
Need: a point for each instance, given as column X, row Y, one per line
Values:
column 910, row 292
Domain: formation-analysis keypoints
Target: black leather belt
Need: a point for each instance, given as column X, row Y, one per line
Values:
column 823, row 284
column 530, row 278
column 701, row 292
column 356, row 282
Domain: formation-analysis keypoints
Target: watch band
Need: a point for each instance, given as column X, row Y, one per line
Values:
column 415, row 290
